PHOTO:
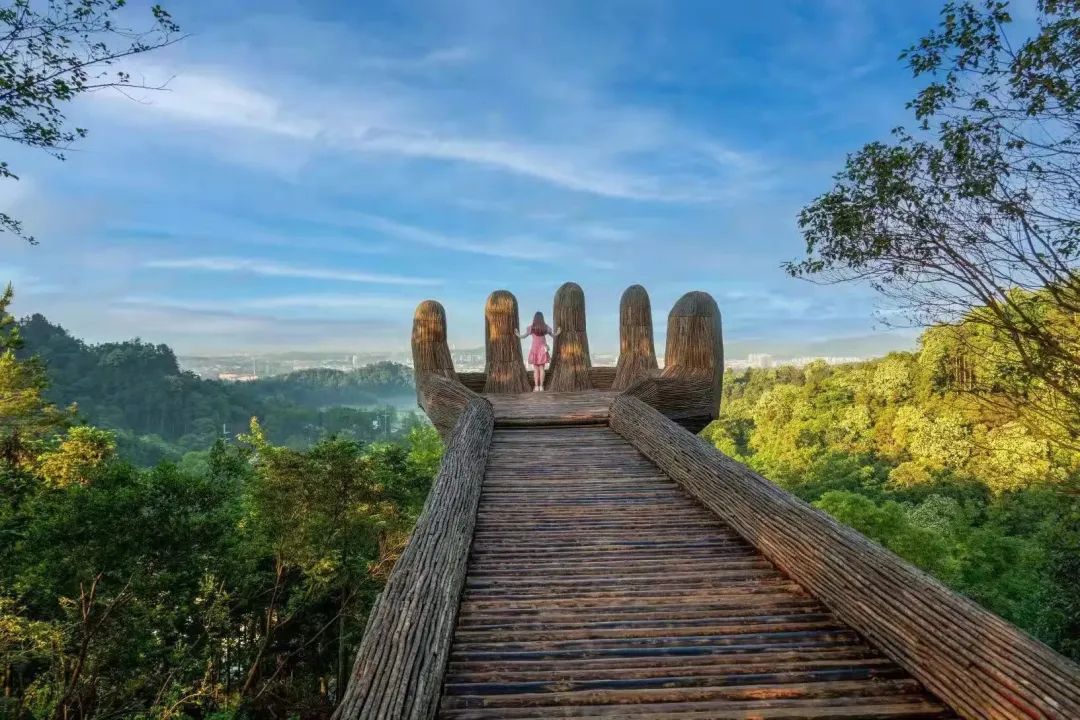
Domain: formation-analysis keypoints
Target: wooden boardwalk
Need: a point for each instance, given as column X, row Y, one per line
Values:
column 597, row 588
column 552, row 408
column 583, row 554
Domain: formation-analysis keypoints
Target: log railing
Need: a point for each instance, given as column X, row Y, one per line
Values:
column 975, row 661
column 602, row 378
column 475, row 381
column 438, row 389
column 402, row 658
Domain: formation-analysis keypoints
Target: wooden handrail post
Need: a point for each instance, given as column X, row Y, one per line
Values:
column 438, row 389
column 570, row 361
column 430, row 351
column 688, row 389
column 502, row 348
column 637, row 352
column 695, row 345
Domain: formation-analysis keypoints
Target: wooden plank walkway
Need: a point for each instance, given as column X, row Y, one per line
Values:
column 597, row 588
column 552, row 408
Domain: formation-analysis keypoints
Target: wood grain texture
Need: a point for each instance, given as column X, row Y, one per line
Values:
column 570, row 359
column 475, row 381
column 430, row 352
column 399, row 667
column 552, row 408
column 601, row 377
column 975, row 661
column 438, row 389
column 682, row 399
column 637, row 352
column 598, row 588
column 444, row 400
column 503, row 364
column 688, row 389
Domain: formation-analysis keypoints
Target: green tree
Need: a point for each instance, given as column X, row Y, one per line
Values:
column 76, row 456
column 50, row 53
column 330, row 516
column 25, row 414
column 975, row 215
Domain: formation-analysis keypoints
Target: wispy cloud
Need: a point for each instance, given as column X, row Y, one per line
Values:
column 212, row 97
column 269, row 268
column 561, row 166
column 446, row 57
column 770, row 303
column 276, row 302
column 514, row 248
column 519, row 246
column 197, row 330
column 268, row 197
column 24, row 283
column 616, row 163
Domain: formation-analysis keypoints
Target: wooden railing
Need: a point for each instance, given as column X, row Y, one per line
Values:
column 402, row 658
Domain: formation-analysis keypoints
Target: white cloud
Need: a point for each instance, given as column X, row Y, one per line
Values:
column 555, row 165
column 276, row 302
column 193, row 330
column 23, row 283
column 268, row 268
column 604, row 233
column 328, row 302
column 435, row 59
column 514, row 248
column 605, row 160
column 207, row 96
column 772, row 303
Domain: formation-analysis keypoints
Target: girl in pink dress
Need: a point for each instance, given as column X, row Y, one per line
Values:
column 538, row 353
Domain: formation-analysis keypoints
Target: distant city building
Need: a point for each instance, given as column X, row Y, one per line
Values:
column 247, row 367
column 237, row 377
column 828, row 360
column 760, row 360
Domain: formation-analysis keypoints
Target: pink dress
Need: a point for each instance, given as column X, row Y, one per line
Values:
column 538, row 353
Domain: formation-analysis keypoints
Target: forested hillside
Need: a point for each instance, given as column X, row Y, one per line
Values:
column 235, row 583
column 160, row 412
column 916, row 451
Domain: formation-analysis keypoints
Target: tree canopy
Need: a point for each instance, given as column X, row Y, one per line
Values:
column 234, row 583
column 973, row 216
column 53, row 51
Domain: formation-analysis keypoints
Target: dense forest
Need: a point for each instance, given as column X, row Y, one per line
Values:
column 159, row 412
column 234, row 583
column 912, row 450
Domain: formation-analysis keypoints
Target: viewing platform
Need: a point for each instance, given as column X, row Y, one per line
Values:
column 583, row 553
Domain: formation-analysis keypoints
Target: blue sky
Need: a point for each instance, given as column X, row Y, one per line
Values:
column 317, row 168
